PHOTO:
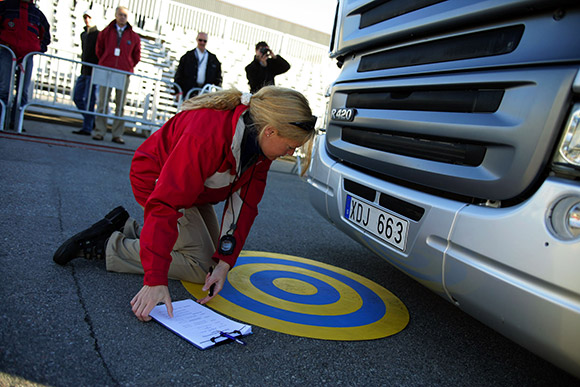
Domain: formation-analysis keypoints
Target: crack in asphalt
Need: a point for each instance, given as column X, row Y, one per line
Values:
column 81, row 299
column 89, row 322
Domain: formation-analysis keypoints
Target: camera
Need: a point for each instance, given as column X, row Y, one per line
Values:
column 264, row 50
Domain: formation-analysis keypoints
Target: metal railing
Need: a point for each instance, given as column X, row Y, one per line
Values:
column 6, row 106
column 150, row 101
column 208, row 88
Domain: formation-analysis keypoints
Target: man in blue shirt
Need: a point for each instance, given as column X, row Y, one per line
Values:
column 198, row 67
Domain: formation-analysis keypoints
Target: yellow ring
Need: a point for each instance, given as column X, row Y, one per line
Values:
column 393, row 321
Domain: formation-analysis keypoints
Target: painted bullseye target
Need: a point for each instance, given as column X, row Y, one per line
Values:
column 306, row 298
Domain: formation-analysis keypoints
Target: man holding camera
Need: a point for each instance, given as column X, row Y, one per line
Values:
column 265, row 66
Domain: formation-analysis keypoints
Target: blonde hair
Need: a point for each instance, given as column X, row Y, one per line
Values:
column 271, row 106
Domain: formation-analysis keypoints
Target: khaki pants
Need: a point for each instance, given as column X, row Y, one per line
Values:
column 191, row 255
column 102, row 107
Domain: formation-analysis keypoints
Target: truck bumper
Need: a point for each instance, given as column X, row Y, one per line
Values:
column 502, row 266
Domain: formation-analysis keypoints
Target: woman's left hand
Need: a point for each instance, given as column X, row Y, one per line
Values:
column 217, row 278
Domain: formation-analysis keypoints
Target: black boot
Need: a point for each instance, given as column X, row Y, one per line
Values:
column 92, row 240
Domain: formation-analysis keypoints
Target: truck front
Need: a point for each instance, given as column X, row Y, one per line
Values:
column 452, row 150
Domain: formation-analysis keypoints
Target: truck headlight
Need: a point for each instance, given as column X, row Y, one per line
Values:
column 570, row 145
column 565, row 218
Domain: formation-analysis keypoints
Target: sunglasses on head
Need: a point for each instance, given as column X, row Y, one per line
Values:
column 202, row 40
column 306, row 125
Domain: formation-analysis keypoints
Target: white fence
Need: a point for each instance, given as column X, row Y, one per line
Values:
column 149, row 104
column 168, row 30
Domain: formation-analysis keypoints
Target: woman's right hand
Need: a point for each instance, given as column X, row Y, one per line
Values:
column 216, row 279
column 147, row 298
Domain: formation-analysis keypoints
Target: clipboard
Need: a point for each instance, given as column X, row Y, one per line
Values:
column 200, row 325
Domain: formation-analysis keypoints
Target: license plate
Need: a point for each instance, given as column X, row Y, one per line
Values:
column 381, row 224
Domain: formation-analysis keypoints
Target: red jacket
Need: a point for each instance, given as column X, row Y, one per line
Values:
column 129, row 48
column 191, row 161
column 23, row 27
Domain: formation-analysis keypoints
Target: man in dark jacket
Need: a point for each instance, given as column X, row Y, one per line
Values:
column 198, row 67
column 265, row 67
column 85, row 93
column 24, row 29
column 118, row 47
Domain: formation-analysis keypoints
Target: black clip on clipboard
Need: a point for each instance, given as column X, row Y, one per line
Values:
column 234, row 336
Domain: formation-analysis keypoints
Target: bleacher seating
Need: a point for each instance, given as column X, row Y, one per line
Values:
column 168, row 30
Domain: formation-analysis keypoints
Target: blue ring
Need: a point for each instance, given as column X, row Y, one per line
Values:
column 372, row 310
column 264, row 281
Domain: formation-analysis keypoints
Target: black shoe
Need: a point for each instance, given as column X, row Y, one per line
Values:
column 91, row 241
column 81, row 132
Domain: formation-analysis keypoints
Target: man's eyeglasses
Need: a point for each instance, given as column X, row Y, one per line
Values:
column 306, row 125
column 202, row 40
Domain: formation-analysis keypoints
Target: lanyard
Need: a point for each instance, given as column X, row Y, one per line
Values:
column 200, row 60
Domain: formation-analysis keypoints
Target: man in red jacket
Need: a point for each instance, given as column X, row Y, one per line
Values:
column 24, row 29
column 118, row 47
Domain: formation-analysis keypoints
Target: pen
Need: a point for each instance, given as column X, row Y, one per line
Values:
column 213, row 285
column 224, row 334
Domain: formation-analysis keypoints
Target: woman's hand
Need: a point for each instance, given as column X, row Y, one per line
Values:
column 218, row 277
column 147, row 298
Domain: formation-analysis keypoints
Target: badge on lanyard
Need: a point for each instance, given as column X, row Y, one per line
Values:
column 117, row 51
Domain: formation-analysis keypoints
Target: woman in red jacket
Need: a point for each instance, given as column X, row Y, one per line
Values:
column 219, row 148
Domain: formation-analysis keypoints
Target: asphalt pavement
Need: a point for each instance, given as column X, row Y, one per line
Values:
column 72, row 325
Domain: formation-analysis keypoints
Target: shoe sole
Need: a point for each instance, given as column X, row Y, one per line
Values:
column 71, row 248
